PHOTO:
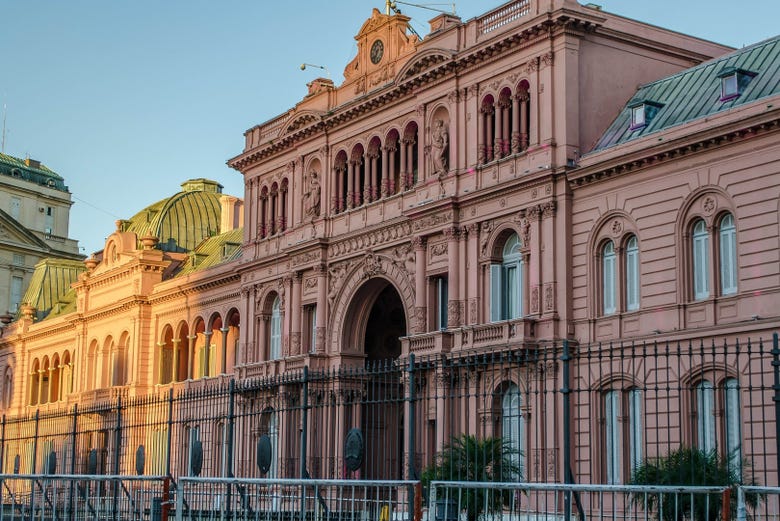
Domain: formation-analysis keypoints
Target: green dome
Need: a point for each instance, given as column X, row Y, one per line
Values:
column 183, row 220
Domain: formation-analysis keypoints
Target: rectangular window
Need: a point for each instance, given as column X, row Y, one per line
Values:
column 16, row 207
column 728, row 264
column 18, row 259
column 16, row 293
column 609, row 284
column 512, row 277
column 700, row 266
column 441, row 303
column 632, row 279
column 612, row 436
column 310, row 328
column 635, row 427
column 49, row 219
column 705, row 417
column 732, row 419
column 496, row 295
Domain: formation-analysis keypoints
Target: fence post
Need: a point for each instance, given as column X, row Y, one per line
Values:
column 73, row 457
column 411, row 419
column 776, row 398
column 2, row 447
column 229, row 436
column 170, row 433
column 304, row 419
column 565, row 392
column 34, row 463
column 117, row 456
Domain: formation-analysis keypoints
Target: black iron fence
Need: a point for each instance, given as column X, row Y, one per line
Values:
column 541, row 413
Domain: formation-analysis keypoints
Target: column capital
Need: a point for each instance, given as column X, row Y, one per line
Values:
column 419, row 242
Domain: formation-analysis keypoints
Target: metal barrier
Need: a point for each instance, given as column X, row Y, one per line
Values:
column 294, row 499
column 472, row 501
column 82, row 497
column 767, row 507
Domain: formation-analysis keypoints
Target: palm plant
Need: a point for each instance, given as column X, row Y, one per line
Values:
column 468, row 458
column 697, row 467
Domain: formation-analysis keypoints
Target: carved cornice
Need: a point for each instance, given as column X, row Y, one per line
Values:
column 657, row 155
column 437, row 70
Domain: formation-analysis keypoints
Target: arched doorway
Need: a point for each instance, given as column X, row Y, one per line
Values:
column 375, row 322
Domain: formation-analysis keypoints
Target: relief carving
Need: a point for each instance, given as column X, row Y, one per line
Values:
column 548, row 298
column 440, row 147
column 432, row 220
column 439, row 249
column 485, row 228
column 372, row 265
column 535, row 300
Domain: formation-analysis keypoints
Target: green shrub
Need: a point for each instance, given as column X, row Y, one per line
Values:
column 467, row 458
column 688, row 466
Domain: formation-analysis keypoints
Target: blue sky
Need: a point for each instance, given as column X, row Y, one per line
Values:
column 126, row 100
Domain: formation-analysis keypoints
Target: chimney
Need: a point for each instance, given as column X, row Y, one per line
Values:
column 232, row 213
column 32, row 163
column 443, row 22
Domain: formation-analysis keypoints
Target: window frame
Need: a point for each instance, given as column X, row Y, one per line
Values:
column 608, row 278
column 700, row 261
column 275, row 330
column 507, row 281
column 623, row 432
column 727, row 255
column 632, row 280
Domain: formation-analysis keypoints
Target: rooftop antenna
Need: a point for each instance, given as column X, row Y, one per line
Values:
column 304, row 65
column 2, row 145
column 392, row 4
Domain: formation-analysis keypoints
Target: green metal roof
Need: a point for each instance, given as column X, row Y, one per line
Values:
column 50, row 281
column 32, row 171
column 182, row 221
column 213, row 251
column 696, row 92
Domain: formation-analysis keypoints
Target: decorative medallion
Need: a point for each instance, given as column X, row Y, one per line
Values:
column 709, row 205
column 353, row 450
column 264, row 453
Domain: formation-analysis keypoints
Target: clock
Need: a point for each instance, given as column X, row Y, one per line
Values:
column 377, row 50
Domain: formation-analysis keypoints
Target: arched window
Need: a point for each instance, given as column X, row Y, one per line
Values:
column 718, row 414
column 506, row 282
column 728, row 255
column 512, row 426
column 700, row 248
column 632, row 274
column 622, row 423
column 275, row 337
column 608, row 277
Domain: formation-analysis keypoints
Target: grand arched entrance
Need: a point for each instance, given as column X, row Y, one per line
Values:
column 375, row 322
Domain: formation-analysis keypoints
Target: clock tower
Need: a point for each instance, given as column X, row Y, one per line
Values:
column 385, row 43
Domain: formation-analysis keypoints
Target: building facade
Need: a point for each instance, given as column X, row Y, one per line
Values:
column 489, row 232
column 35, row 218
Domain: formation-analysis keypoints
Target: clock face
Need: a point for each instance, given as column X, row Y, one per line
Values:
column 377, row 50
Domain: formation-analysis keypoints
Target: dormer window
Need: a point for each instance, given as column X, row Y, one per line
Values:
column 733, row 82
column 642, row 112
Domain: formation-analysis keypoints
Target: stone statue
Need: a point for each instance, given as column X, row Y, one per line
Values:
column 311, row 199
column 440, row 147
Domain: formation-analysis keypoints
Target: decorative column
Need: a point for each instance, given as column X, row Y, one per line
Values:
column 191, row 356
column 523, row 98
column 175, row 376
column 515, row 143
column 295, row 314
column 350, row 184
column 322, row 287
column 261, row 230
column 472, row 274
column 489, row 123
column 453, row 279
column 334, row 198
column 498, row 148
column 370, row 192
column 481, row 133
column 160, row 364
column 420, row 318
column 533, row 214
column 403, row 174
column 223, row 361
column 548, row 259
column 383, row 184
column 284, row 291
column 207, row 353
column 281, row 222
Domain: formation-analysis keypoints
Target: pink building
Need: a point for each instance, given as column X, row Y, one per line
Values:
column 489, row 231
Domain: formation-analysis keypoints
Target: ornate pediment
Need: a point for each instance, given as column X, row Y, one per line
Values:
column 300, row 120
column 422, row 62
column 382, row 41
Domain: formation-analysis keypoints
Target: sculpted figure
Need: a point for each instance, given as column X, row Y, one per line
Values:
column 440, row 147
column 311, row 199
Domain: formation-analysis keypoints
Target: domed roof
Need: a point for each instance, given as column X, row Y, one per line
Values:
column 181, row 221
